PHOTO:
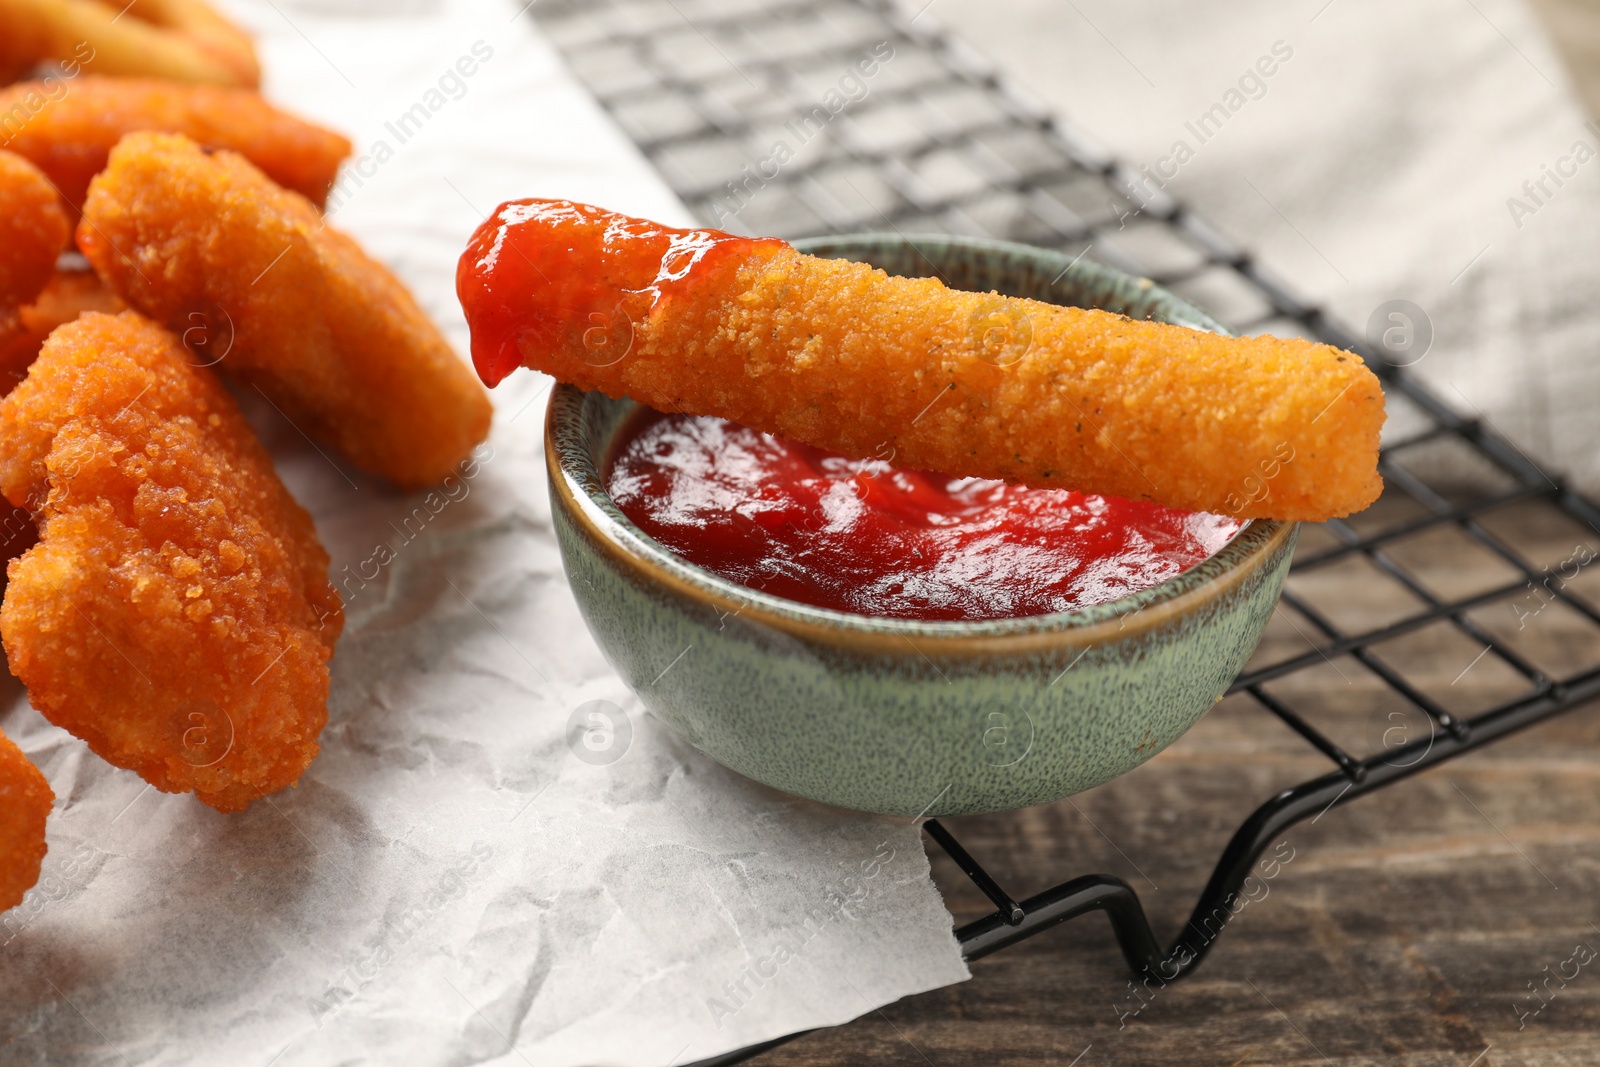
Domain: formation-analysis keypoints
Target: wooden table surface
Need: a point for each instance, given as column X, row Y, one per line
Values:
column 1411, row 926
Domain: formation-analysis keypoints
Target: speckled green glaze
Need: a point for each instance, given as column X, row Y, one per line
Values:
column 896, row 716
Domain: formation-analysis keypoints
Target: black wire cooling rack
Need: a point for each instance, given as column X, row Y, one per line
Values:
column 888, row 124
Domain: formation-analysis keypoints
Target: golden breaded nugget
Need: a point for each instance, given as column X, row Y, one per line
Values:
column 68, row 129
column 844, row 357
column 176, row 613
column 33, row 231
column 169, row 39
column 17, row 533
column 25, row 802
column 18, row 347
column 335, row 340
column 68, row 294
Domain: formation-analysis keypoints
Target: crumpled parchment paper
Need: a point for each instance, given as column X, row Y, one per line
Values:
column 456, row 880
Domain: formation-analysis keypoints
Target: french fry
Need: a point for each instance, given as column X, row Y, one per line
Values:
column 68, row 129
column 209, row 31
column 188, row 46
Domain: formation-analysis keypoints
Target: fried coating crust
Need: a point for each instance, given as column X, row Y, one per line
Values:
column 176, row 613
column 18, row 346
column 68, row 294
column 68, row 129
column 286, row 304
column 1142, row 410
column 844, row 357
column 17, row 534
column 33, row 231
column 25, row 802
column 180, row 40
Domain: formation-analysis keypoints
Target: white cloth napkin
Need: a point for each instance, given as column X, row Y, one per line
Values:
column 451, row 883
column 1402, row 152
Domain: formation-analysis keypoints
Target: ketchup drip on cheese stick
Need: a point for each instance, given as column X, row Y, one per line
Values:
column 554, row 277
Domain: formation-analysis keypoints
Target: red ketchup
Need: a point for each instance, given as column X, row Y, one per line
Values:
column 554, row 277
column 865, row 537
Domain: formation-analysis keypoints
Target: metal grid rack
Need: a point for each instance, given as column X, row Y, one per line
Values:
column 932, row 140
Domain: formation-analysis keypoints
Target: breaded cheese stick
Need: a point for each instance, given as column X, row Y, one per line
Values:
column 25, row 802
column 844, row 357
column 327, row 333
column 68, row 129
column 176, row 613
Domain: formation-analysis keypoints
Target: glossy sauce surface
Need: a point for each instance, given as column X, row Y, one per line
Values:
column 866, row 537
column 543, row 276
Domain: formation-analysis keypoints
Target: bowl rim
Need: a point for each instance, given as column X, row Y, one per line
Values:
column 578, row 487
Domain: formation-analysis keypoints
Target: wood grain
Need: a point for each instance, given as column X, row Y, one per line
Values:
column 1406, row 929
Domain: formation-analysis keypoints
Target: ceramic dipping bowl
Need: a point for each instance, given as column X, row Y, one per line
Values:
column 897, row 716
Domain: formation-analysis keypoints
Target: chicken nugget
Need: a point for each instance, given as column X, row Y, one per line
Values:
column 68, row 129
column 33, row 231
column 18, row 346
column 25, row 802
column 17, row 534
column 68, row 294
column 176, row 613
column 844, row 357
column 328, row 334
